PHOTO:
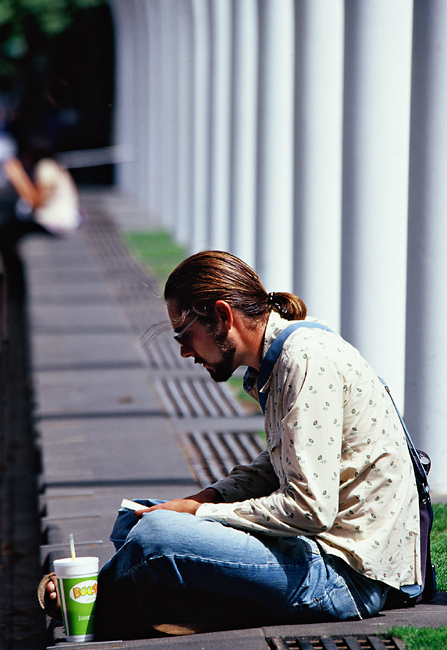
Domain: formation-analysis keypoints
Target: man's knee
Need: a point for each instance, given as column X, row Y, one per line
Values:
column 161, row 532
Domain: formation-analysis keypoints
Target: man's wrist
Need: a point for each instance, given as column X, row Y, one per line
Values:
column 210, row 495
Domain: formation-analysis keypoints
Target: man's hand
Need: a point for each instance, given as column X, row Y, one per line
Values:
column 188, row 504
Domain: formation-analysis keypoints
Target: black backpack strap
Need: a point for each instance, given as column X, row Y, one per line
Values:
column 268, row 362
column 428, row 590
column 419, row 469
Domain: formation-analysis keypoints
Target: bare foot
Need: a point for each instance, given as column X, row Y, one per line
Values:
column 48, row 596
column 52, row 592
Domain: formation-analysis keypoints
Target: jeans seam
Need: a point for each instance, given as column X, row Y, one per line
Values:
column 213, row 561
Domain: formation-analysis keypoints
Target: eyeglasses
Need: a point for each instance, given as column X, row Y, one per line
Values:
column 178, row 337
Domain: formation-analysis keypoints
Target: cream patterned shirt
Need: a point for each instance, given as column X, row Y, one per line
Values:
column 336, row 467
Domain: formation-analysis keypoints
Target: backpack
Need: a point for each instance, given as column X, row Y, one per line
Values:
column 407, row 595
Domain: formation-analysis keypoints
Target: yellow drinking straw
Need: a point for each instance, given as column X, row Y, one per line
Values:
column 72, row 547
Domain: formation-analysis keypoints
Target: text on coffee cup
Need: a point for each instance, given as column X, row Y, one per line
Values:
column 84, row 592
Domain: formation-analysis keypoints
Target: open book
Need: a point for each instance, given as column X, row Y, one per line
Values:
column 131, row 505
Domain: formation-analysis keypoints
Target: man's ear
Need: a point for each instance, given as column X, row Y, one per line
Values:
column 224, row 313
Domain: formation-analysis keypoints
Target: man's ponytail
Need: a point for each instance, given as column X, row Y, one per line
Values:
column 287, row 305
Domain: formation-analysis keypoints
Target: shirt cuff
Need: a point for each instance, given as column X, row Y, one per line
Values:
column 215, row 511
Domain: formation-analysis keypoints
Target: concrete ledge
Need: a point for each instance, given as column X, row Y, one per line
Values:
column 430, row 615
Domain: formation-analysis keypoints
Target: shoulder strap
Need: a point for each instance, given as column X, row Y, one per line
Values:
column 420, row 471
column 273, row 353
column 427, row 591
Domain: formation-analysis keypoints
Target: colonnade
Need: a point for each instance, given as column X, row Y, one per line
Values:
column 307, row 137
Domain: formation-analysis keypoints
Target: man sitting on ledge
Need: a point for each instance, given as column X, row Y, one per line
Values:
column 319, row 527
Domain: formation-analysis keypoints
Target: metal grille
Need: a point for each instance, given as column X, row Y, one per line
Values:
column 213, row 455
column 335, row 643
column 197, row 397
column 130, row 280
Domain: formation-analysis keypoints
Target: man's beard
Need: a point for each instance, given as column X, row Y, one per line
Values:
column 223, row 370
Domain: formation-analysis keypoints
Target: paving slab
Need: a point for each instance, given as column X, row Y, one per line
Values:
column 96, row 392
column 91, row 316
column 74, row 351
column 124, row 448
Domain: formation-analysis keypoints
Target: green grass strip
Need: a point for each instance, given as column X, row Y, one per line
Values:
column 439, row 544
column 429, row 638
column 421, row 638
column 157, row 251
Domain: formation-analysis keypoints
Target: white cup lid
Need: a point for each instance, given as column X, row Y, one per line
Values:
column 68, row 566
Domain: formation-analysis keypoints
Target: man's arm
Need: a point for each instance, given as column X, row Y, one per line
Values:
column 187, row 504
column 306, row 416
column 249, row 481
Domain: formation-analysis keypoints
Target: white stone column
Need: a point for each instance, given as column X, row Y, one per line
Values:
column 378, row 37
column 185, row 120
column 140, row 91
column 275, row 145
column 426, row 403
column 199, row 236
column 124, row 100
column 220, row 133
column 244, row 130
column 155, row 111
column 318, row 156
column 168, row 123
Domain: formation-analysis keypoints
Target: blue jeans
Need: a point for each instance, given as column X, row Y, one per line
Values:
column 175, row 567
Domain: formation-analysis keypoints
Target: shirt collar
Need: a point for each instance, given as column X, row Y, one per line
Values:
column 275, row 326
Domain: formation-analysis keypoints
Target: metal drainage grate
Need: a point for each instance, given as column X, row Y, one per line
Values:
column 131, row 281
column 335, row 643
column 197, row 397
column 212, row 455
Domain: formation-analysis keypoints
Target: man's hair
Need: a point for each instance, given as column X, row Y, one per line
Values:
column 202, row 279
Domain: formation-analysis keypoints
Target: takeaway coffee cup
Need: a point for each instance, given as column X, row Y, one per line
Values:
column 77, row 581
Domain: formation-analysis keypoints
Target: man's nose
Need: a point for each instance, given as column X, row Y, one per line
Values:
column 186, row 351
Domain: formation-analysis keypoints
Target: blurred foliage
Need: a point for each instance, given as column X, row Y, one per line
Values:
column 23, row 23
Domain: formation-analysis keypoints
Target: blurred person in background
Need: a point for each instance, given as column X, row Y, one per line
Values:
column 38, row 196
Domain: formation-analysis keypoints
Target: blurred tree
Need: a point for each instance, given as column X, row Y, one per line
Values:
column 57, row 75
column 25, row 23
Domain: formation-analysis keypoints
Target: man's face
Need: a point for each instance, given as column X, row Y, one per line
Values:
column 212, row 348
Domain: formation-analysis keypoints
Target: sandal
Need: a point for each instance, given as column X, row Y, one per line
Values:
column 51, row 607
